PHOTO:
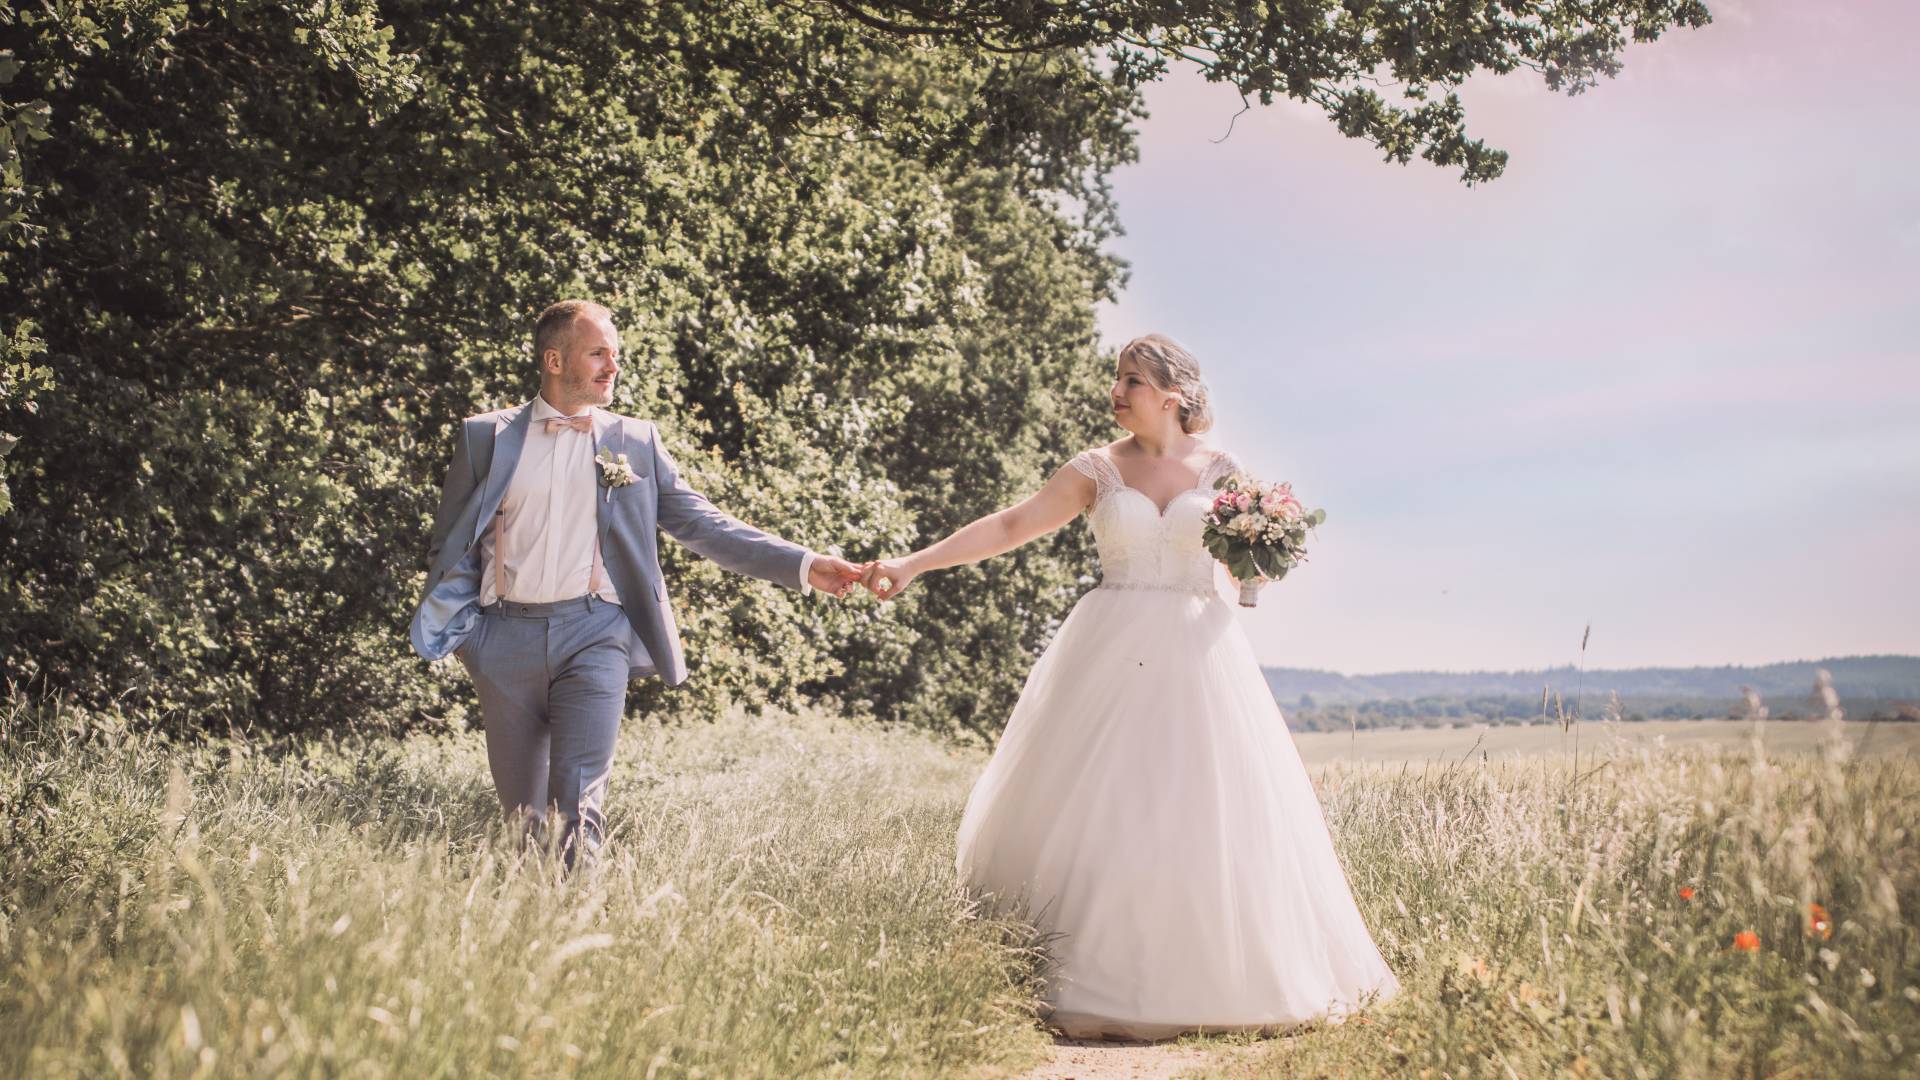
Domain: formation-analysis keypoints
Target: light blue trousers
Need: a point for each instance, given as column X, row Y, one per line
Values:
column 553, row 685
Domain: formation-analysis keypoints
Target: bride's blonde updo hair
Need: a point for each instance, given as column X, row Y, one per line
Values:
column 1170, row 367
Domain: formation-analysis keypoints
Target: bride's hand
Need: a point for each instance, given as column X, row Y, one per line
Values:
column 888, row 578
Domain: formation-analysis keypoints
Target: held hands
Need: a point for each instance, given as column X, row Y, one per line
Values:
column 834, row 575
column 888, row 578
column 884, row 578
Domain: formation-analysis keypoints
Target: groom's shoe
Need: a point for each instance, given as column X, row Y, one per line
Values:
column 536, row 838
column 582, row 849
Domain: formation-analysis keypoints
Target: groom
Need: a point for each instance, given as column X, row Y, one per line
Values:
column 544, row 572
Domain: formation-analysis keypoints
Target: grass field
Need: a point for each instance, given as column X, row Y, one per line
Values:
column 1443, row 745
column 780, row 903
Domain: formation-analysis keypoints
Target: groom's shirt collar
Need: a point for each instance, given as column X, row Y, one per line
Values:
column 542, row 410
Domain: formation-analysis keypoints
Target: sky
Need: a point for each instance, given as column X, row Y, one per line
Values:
column 1662, row 377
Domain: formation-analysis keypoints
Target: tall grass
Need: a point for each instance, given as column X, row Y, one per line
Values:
column 779, row 901
column 1554, row 921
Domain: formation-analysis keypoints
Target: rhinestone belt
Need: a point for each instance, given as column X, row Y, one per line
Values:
column 1195, row 590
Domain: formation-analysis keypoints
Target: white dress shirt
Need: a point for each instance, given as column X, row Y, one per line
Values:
column 544, row 544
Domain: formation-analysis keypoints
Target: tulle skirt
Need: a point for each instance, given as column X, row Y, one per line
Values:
column 1148, row 806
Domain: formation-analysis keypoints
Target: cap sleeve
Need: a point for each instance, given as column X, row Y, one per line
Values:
column 1223, row 464
column 1105, row 474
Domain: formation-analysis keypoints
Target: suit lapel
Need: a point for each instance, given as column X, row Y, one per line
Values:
column 507, row 444
column 608, row 434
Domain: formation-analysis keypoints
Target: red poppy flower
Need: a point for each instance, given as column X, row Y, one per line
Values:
column 1819, row 923
column 1746, row 941
column 1686, row 892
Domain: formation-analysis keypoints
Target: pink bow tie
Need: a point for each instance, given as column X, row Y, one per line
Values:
column 583, row 422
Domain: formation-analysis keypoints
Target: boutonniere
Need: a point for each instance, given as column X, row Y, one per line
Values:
column 614, row 471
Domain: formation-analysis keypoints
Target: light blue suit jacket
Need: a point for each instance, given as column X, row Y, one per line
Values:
column 630, row 520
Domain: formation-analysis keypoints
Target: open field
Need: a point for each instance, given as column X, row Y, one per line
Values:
column 780, row 903
column 1441, row 745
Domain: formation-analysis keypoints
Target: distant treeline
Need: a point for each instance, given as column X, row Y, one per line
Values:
column 1871, row 687
column 1444, row 712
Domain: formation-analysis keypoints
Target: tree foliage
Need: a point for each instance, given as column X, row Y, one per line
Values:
column 278, row 253
column 1329, row 53
column 260, row 258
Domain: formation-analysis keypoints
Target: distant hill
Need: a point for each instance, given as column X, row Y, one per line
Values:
column 1880, row 677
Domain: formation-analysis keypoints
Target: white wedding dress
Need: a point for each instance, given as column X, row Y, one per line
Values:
column 1147, row 803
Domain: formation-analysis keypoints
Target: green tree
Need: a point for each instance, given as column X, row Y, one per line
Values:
column 271, row 254
column 281, row 252
column 21, row 124
column 1330, row 53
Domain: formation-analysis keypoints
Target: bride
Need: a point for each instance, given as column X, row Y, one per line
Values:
column 1146, row 800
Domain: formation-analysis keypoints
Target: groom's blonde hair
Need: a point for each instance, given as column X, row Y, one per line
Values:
column 555, row 325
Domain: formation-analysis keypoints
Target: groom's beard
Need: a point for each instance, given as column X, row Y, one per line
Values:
column 592, row 392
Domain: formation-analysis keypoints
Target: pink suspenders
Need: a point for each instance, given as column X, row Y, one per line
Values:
column 596, row 576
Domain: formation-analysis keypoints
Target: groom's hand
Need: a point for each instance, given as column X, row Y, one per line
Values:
column 832, row 574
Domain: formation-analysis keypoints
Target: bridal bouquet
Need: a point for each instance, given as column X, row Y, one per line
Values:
column 1259, row 531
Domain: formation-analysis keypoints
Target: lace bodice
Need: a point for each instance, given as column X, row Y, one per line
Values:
column 1142, row 546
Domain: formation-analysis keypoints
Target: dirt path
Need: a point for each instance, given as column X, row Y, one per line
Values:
column 1079, row 1059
